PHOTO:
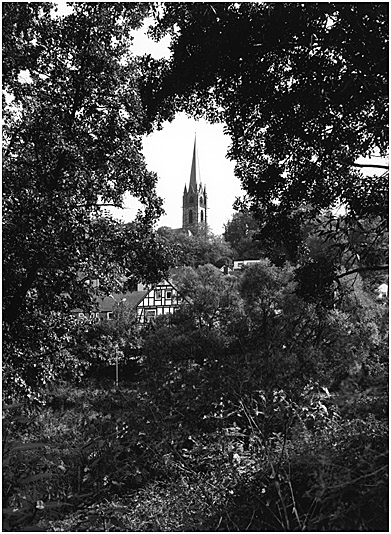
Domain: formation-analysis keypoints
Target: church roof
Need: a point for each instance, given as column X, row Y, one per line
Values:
column 195, row 169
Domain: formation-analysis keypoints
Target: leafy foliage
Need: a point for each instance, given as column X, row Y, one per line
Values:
column 73, row 122
column 31, row 481
column 301, row 97
column 262, row 404
column 98, row 346
column 240, row 233
column 70, row 133
column 210, row 294
column 195, row 250
column 239, row 333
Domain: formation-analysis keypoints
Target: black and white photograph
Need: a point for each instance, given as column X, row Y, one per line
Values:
column 195, row 266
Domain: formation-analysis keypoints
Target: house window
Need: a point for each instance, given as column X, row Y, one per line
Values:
column 191, row 200
column 168, row 293
column 109, row 316
column 191, row 217
column 158, row 294
column 150, row 314
column 202, row 216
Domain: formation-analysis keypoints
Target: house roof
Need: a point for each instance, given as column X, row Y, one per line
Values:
column 178, row 231
column 132, row 298
column 136, row 297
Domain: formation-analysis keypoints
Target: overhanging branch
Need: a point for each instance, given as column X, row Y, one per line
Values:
column 363, row 269
column 372, row 165
column 95, row 205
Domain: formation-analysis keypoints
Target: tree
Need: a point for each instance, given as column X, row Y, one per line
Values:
column 240, row 232
column 340, row 247
column 73, row 122
column 194, row 250
column 96, row 345
column 303, row 92
column 290, row 341
column 210, row 295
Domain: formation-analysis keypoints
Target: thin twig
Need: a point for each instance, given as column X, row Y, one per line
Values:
column 310, row 513
column 351, row 482
column 293, row 500
column 251, row 520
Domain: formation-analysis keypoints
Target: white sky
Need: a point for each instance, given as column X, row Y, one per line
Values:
column 169, row 151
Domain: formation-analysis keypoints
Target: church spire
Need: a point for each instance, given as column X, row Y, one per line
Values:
column 195, row 200
column 195, row 169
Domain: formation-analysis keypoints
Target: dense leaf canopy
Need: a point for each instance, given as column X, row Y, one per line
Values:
column 72, row 138
column 302, row 89
column 197, row 249
column 72, row 147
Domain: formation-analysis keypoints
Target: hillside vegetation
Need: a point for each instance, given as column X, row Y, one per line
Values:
column 262, row 404
column 250, row 409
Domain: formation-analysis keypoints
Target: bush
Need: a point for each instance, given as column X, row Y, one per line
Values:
column 322, row 473
column 32, row 482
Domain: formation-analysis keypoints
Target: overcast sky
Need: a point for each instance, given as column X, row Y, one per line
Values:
column 169, row 152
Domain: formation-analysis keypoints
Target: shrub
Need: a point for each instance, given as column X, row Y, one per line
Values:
column 322, row 473
column 31, row 481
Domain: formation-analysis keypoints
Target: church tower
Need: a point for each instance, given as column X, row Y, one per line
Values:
column 194, row 200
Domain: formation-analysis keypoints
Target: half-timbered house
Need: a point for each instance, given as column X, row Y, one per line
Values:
column 147, row 303
column 161, row 299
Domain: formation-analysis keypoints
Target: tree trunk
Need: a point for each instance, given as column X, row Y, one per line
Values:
column 13, row 309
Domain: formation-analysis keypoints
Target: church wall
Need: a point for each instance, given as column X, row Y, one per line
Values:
column 194, row 209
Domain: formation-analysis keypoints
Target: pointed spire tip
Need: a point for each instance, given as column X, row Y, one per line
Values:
column 195, row 170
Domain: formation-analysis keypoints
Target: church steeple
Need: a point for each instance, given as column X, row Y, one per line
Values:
column 195, row 169
column 194, row 199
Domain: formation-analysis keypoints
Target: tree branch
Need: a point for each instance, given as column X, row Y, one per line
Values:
column 365, row 165
column 96, row 205
column 11, row 143
column 363, row 269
